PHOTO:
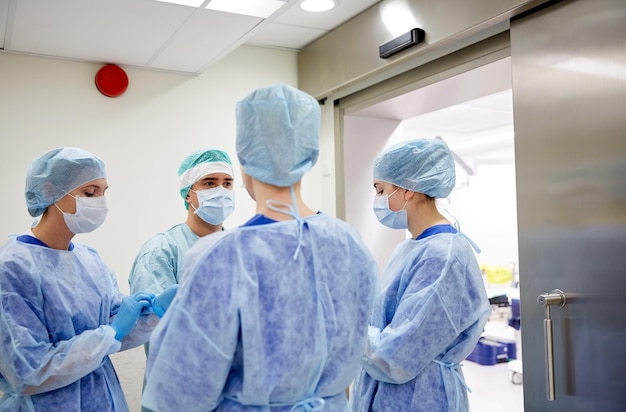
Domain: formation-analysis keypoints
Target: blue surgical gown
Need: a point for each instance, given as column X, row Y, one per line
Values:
column 55, row 338
column 160, row 260
column 258, row 327
column 428, row 317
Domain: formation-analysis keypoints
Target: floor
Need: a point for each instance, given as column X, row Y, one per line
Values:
column 491, row 385
column 492, row 389
column 130, row 366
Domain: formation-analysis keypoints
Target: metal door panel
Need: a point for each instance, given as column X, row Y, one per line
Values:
column 569, row 96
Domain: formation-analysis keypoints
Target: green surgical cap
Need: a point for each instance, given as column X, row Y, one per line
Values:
column 424, row 166
column 278, row 129
column 56, row 173
column 199, row 164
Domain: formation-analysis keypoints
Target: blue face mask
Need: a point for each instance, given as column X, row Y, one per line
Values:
column 214, row 205
column 386, row 216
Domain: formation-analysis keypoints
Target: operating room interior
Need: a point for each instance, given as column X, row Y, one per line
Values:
column 544, row 204
column 143, row 135
column 137, row 143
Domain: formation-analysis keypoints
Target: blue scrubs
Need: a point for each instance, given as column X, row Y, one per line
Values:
column 428, row 318
column 255, row 327
column 55, row 338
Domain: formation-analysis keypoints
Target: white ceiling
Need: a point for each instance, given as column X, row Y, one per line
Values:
column 472, row 111
column 155, row 35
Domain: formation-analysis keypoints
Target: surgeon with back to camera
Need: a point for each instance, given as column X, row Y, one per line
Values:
column 272, row 315
column 61, row 312
column 433, row 305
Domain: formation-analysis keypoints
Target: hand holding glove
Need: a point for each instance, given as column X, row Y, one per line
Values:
column 129, row 312
column 162, row 301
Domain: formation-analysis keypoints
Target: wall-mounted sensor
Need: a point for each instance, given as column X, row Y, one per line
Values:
column 411, row 38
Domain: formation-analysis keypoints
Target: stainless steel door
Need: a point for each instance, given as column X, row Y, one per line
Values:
column 569, row 92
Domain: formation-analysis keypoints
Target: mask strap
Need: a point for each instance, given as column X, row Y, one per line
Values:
column 68, row 193
column 57, row 206
column 292, row 211
column 457, row 226
column 191, row 204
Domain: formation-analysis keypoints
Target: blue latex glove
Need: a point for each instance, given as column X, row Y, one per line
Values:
column 162, row 301
column 130, row 310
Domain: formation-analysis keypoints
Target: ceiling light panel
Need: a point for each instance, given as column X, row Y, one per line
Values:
column 256, row 8
column 317, row 6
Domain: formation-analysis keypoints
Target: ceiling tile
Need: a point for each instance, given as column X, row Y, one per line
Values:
column 154, row 34
column 115, row 31
column 287, row 36
column 205, row 37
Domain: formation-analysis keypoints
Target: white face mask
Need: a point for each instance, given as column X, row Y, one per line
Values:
column 90, row 214
column 386, row 216
column 214, row 205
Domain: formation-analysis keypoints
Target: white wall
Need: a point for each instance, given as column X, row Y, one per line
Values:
column 485, row 203
column 142, row 136
column 364, row 139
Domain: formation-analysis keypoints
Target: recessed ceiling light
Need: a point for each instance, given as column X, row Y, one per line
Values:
column 256, row 8
column 317, row 5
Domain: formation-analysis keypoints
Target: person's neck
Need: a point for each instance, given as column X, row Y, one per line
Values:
column 53, row 231
column 426, row 215
column 199, row 226
column 264, row 192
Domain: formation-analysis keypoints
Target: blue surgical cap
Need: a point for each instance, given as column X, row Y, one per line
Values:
column 199, row 164
column 424, row 166
column 56, row 173
column 278, row 130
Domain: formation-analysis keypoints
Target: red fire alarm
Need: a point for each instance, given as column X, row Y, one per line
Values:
column 111, row 80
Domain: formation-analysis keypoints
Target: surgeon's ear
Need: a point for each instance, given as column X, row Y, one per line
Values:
column 408, row 194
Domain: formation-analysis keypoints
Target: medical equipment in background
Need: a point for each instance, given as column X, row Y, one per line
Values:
column 515, row 365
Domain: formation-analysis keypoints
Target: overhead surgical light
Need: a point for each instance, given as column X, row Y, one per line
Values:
column 317, row 5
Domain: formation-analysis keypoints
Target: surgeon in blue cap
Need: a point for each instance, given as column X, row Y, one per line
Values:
column 433, row 305
column 61, row 312
column 272, row 315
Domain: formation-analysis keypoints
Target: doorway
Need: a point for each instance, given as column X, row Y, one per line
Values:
column 473, row 113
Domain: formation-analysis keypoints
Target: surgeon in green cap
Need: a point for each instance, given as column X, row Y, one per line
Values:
column 206, row 186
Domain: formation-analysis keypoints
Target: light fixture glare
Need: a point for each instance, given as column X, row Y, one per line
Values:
column 317, row 6
column 256, row 8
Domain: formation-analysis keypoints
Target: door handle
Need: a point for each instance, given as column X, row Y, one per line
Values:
column 557, row 298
